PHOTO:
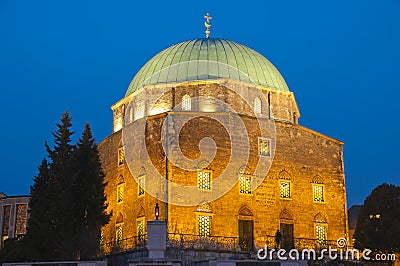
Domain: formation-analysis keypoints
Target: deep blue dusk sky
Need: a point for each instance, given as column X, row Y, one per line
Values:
column 341, row 59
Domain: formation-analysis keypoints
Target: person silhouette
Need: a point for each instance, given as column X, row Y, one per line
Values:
column 278, row 238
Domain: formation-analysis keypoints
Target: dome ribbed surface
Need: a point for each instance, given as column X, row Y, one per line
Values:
column 212, row 58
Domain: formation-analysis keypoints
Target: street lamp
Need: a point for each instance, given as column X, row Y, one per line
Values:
column 157, row 211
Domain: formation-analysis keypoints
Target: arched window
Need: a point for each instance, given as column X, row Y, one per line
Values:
column 141, row 180
column 121, row 156
column 285, row 185
column 130, row 114
column 244, row 181
column 118, row 229
column 320, row 229
column 120, row 189
column 318, row 189
column 186, row 103
column 257, row 105
column 139, row 112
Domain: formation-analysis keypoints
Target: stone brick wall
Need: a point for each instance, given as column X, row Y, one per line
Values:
column 301, row 156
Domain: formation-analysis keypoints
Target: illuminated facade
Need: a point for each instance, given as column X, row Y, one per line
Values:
column 303, row 194
column 13, row 216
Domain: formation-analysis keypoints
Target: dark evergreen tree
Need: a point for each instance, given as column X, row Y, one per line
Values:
column 90, row 207
column 62, row 209
column 41, row 226
column 67, row 207
column 379, row 219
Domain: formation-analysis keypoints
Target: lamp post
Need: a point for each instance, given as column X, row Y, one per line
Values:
column 157, row 211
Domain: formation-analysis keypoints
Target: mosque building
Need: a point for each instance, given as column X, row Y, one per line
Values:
column 208, row 131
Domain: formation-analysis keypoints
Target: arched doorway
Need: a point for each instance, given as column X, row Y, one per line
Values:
column 286, row 228
column 246, row 229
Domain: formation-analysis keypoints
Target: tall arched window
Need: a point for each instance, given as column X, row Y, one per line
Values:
column 120, row 189
column 318, row 189
column 186, row 103
column 285, row 185
column 320, row 229
column 244, row 181
column 118, row 229
column 257, row 105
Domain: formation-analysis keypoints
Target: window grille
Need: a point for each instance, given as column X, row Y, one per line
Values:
column 284, row 189
column 204, row 223
column 204, row 180
column 244, row 184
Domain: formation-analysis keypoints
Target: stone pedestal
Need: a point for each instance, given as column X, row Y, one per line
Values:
column 156, row 239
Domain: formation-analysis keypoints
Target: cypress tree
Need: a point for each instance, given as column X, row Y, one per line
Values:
column 90, row 207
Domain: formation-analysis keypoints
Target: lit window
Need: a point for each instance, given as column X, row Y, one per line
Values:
column 121, row 156
column 6, row 221
column 257, row 106
column 120, row 193
column 264, row 147
column 141, row 186
column 118, row 118
column 284, row 188
column 318, row 193
column 130, row 113
column 140, row 229
column 186, row 103
column 21, row 217
column 118, row 236
column 204, row 223
column 320, row 234
column 244, row 184
column 204, row 180
column 139, row 112
column 101, row 241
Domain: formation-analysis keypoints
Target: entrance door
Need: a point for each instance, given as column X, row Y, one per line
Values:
column 246, row 234
column 287, row 236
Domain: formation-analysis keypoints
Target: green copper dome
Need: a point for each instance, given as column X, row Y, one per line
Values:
column 212, row 58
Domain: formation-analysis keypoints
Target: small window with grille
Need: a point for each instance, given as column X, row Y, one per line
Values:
column 141, row 185
column 257, row 106
column 118, row 236
column 284, row 189
column 204, row 180
column 120, row 193
column 320, row 234
column 204, row 224
column 186, row 103
column 244, row 184
column 140, row 229
column 318, row 193
column 121, row 156
column 264, row 147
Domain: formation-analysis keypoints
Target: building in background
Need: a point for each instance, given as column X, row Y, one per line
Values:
column 353, row 213
column 13, row 216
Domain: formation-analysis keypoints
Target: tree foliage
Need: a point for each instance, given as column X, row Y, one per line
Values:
column 67, row 206
column 378, row 223
column 89, row 195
